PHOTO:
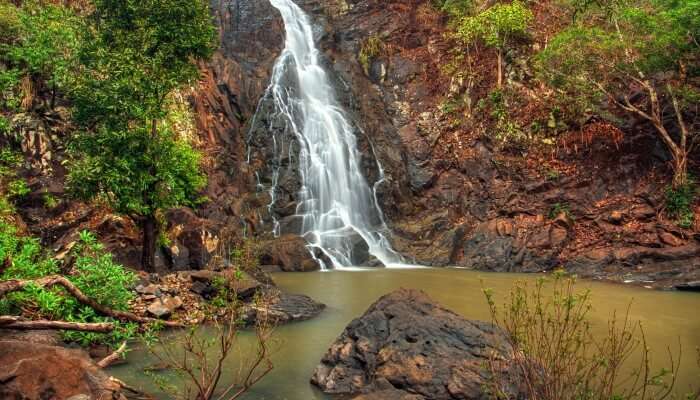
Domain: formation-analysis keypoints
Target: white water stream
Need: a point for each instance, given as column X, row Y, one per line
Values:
column 338, row 207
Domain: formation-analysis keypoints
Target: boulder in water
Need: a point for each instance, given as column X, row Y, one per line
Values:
column 407, row 345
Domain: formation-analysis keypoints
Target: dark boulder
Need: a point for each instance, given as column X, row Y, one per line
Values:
column 405, row 342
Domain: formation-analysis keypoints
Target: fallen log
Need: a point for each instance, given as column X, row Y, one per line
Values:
column 15, row 285
column 13, row 322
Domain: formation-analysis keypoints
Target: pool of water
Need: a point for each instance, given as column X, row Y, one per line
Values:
column 667, row 317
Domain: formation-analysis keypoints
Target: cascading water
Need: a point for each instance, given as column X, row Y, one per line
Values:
column 338, row 208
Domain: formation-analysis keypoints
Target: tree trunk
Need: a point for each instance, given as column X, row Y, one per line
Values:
column 680, row 169
column 148, row 255
column 500, row 69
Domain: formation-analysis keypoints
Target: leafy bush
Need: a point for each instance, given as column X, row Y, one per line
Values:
column 94, row 273
column 9, row 23
column 455, row 8
column 48, row 40
column 560, row 208
column 370, row 49
column 680, row 201
column 498, row 27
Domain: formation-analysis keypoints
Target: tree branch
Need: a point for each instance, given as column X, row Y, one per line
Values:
column 107, row 361
column 15, row 285
column 12, row 322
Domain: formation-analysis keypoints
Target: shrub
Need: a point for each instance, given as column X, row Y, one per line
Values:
column 94, row 273
column 455, row 8
column 680, row 201
column 370, row 49
column 549, row 328
column 9, row 23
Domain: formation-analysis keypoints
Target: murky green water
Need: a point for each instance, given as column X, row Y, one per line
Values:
column 667, row 317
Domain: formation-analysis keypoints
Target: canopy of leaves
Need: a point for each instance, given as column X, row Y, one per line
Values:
column 497, row 26
column 137, row 52
column 134, row 172
column 646, row 37
column 40, row 40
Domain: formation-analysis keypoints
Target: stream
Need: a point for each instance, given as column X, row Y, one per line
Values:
column 667, row 317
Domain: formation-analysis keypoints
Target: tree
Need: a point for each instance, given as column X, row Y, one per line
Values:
column 641, row 47
column 137, row 53
column 498, row 27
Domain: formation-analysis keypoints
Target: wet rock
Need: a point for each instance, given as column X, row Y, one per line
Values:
column 411, row 344
column 39, row 371
column 290, row 253
column 689, row 286
column 285, row 307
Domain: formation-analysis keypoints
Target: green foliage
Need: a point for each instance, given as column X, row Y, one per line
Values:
column 506, row 133
column 12, row 187
column 135, row 173
column 49, row 37
column 370, row 49
column 10, row 25
column 455, row 8
column 135, row 53
column 560, row 208
column 94, row 273
column 498, row 26
column 680, row 202
column 591, row 60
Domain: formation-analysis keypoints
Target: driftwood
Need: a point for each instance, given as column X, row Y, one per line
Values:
column 114, row 356
column 12, row 322
column 15, row 285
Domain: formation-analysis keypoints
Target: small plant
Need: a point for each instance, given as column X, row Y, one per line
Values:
column 370, row 49
column 560, row 208
column 680, row 201
column 50, row 201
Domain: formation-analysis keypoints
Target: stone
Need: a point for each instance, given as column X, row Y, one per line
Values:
column 290, row 253
column 642, row 212
column 203, row 289
column 406, row 342
column 40, row 371
column 689, row 286
column 285, row 307
column 616, row 217
column 670, row 239
column 164, row 307
column 148, row 289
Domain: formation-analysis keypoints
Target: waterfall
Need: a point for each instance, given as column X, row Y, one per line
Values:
column 338, row 207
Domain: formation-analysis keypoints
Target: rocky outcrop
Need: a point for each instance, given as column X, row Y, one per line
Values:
column 37, row 371
column 406, row 346
column 290, row 253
